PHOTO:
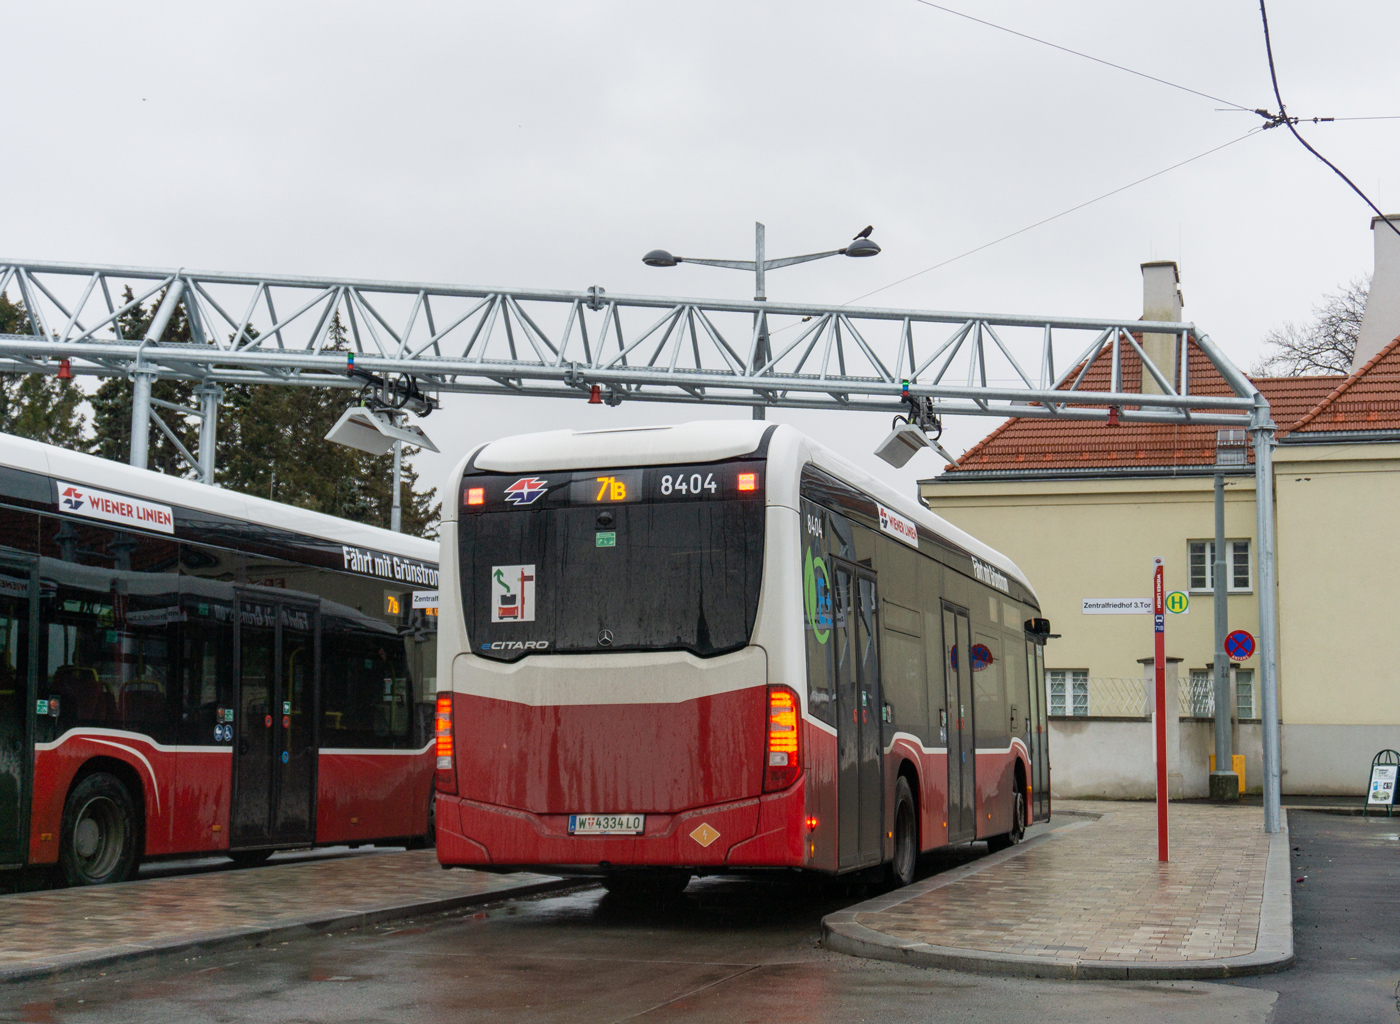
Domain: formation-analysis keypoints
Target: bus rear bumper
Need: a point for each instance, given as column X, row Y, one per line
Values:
column 767, row 831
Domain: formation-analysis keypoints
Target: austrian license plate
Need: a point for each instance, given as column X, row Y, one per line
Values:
column 606, row 824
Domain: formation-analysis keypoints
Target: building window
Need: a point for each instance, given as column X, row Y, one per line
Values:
column 1069, row 692
column 1244, row 694
column 1201, row 563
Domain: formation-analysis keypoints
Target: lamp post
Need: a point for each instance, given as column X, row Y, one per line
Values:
column 861, row 245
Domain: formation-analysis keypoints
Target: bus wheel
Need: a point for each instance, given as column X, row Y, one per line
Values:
column 647, row 883
column 906, row 834
column 1018, row 825
column 98, row 842
column 428, row 840
column 249, row 858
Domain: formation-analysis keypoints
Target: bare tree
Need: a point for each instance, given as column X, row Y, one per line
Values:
column 1323, row 345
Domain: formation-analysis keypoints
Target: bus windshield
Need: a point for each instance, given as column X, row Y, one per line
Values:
column 660, row 558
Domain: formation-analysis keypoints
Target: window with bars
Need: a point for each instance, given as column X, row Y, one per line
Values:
column 1201, row 563
column 1202, row 694
column 1244, row 694
column 1069, row 691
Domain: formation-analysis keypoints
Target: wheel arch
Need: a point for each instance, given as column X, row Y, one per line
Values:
column 909, row 770
column 128, row 776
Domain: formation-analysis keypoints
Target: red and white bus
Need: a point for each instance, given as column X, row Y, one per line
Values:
column 186, row 670
column 721, row 647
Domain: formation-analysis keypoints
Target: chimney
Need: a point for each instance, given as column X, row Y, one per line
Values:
column 1161, row 300
column 1381, row 321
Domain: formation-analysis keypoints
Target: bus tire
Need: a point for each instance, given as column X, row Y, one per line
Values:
column 428, row 840
column 647, row 883
column 249, row 858
column 100, row 838
column 906, row 835
column 1018, row 825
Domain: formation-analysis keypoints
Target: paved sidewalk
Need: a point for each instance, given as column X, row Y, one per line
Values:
column 1090, row 899
column 59, row 931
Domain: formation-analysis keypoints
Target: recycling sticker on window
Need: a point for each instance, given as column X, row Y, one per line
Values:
column 512, row 593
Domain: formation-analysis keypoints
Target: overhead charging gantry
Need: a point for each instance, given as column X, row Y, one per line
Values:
column 592, row 345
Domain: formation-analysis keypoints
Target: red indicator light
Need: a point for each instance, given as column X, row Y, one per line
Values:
column 445, row 780
column 784, row 762
column 476, row 495
column 811, row 824
column 748, row 481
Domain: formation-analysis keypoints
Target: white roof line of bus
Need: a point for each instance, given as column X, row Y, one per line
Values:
column 92, row 471
column 917, row 511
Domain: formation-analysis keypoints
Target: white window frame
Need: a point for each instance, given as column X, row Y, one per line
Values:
column 1246, row 545
column 1069, row 689
column 1244, row 685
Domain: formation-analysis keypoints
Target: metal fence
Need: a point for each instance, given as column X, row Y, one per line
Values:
column 1118, row 697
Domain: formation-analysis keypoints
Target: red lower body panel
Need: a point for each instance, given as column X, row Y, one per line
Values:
column 185, row 794
column 765, row 831
column 369, row 795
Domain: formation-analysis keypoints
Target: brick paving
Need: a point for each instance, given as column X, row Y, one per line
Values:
column 40, row 926
column 1098, row 893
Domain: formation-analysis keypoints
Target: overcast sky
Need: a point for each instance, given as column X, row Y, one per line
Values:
column 551, row 144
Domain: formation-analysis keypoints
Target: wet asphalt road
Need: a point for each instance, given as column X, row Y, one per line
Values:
column 1346, row 922
column 740, row 950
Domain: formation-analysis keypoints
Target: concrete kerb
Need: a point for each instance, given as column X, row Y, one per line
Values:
column 259, row 935
column 1272, row 952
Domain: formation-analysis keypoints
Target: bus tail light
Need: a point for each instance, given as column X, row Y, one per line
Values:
column 446, row 778
column 783, row 762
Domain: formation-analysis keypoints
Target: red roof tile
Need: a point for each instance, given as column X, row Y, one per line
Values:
column 1050, row 444
column 1367, row 400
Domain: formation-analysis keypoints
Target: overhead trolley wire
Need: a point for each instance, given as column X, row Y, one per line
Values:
column 1057, row 216
column 1282, row 118
column 1086, row 56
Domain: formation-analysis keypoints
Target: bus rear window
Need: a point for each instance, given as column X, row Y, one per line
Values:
column 656, row 558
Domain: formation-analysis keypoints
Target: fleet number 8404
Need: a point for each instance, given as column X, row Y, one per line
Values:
column 693, row 484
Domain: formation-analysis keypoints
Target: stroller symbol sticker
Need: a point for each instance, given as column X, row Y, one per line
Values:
column 512, row 593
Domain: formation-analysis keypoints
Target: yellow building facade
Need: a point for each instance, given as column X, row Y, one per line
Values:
column 1083, row 509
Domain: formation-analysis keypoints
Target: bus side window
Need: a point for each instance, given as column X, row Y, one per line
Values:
column 109, row 618
column 365, row 697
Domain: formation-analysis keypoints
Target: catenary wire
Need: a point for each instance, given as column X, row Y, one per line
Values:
column 1288, row 122
column 1057, row 216
column 1086, row 56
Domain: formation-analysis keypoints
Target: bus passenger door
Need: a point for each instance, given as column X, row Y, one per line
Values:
column 17, row 627
column 1040, row 759
column 860, row 789
column 274, row 776
column 962, row 751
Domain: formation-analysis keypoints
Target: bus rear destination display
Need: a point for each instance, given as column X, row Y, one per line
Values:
column 501, row 492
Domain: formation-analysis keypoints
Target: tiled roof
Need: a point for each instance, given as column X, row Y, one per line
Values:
column 1027, row 445
column 1367, row 400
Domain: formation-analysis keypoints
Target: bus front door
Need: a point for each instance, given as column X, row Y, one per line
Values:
column 962, row 751
column 17, row 628
column 274, row 776
column 860, row 791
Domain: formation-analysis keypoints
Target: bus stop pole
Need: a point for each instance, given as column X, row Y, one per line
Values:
column 1159, row 666
column 1263, row 435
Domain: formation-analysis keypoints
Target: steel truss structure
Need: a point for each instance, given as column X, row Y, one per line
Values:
column 269, row 329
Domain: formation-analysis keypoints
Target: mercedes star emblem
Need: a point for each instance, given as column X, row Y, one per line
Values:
column 605, row 638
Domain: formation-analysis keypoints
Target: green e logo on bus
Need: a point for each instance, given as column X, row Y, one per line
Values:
column 816, row 592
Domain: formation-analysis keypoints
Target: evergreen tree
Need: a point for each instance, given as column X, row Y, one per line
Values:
column 35, row 405
column 111, row 404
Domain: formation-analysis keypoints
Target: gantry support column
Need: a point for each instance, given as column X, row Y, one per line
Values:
column 1263, row 434
column 142, row 379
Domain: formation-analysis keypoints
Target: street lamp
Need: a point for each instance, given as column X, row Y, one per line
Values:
column 861, row 245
